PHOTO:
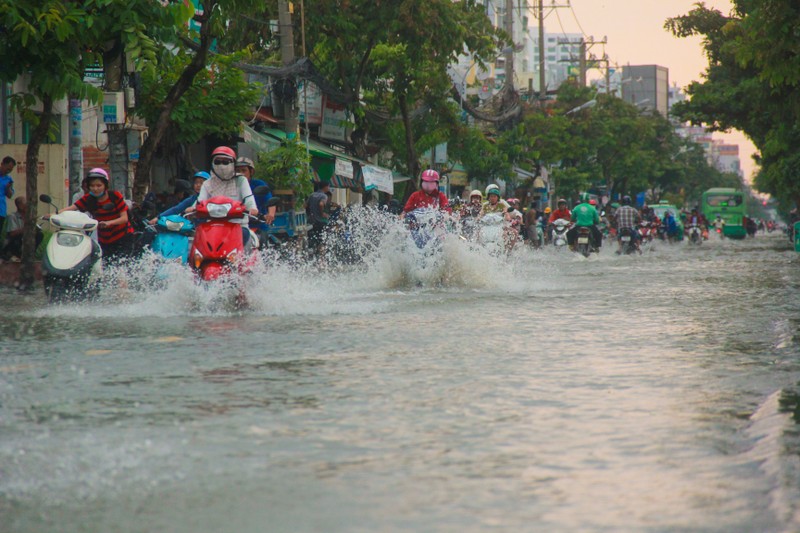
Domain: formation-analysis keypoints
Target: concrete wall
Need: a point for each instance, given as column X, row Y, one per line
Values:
column 52, row 177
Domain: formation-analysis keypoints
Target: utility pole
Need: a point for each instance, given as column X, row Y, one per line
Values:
column 510, row 52
column 585, row 62
column 291, row 119
column 542, row 55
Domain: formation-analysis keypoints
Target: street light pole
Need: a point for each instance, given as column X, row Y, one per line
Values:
column 542, row 75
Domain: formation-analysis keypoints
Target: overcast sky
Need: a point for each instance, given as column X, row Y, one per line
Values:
column 636, row 35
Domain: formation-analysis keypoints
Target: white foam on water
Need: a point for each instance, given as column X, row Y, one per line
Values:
column 767, row 428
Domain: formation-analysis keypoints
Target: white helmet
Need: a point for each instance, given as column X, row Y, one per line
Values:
column 476, row 192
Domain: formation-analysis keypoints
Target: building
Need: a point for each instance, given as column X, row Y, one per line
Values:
column 647, row 87
column 725, row 157
column 561, row 59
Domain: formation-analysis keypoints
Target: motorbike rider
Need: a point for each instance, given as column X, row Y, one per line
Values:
column 670, row 226
column 225, row 181
column 719, row 225
column 115, row 233
column 627, row 217
column 470, row 212
column 493, row 203
column 429, row 195
column 698, row 219
column 246, row 167
column 197, row 183
column 585, row 216
column 532, row 226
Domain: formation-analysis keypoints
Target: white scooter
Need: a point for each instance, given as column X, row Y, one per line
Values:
column 72, row 263
column 559, row 233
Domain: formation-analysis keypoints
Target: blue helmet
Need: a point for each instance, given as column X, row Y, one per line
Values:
column 202, row 174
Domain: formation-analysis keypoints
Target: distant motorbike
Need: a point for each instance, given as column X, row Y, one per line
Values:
column 583, row 241
column 491, row 229
column 558, row 235
column 72, row 263
column 627, row 244
column 695, row 234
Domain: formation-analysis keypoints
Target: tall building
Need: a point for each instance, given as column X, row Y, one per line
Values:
column 562, row 57
column 647, row 87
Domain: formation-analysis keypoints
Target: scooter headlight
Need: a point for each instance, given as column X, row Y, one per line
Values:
column 198, row 259
column 218, row 210
column 233, row 255
column 173, row 225
column 69, row 239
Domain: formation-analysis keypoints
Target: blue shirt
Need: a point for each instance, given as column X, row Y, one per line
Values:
column 178, row 209
column 4, row 181
column 261, row 200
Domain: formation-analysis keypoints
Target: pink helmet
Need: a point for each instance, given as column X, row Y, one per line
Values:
column 430, row 175
column 224, row 150
column 97, row 173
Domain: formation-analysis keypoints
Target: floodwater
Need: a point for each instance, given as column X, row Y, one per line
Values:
column 544, row 392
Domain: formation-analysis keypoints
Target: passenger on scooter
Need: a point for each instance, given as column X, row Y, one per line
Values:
column 627, row 217
column 429, row 195
column 493, row 203
column 470, row 213
column 561, row 212
column 246, row 167
column 225, row 181
column 115, row 233
column 670, row 226
column 198, row 179
column 585, row 216
column 700, row 220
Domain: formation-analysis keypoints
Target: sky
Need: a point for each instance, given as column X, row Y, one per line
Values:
column 636, row 35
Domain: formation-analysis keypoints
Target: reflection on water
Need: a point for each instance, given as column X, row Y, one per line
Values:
column 536, row 392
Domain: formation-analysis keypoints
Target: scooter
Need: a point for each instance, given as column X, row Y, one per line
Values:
column 558, row 234
column 218, row 248
column 173, row 235
column 583, row 241
column 491, row 229
column 695, row 235
column 72, row 263
column 426, row 227
column 627, row 244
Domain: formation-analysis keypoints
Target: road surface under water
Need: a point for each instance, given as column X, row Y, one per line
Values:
column 544, row 393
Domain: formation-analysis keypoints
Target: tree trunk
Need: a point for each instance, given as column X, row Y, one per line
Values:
column 141, row 181
column 411, row 153
column 32, row 192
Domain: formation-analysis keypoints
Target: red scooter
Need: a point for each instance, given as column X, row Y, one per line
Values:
column 218, row 247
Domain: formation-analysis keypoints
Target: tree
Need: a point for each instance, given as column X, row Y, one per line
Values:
column 750, row 83
column 50, row 42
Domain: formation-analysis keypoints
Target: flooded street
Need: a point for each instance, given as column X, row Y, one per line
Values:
column 544, row 393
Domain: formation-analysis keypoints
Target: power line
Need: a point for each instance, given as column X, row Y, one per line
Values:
column 576, row 19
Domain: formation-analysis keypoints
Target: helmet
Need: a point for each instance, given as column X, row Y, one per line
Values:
column 224, row 150
column 592, row 201
column 493, row 189
column 96, row 173
column 430, row 175
column 561, row 201
column 202, row 174
column 476, row 192
column 585, row 197
column 245, row 162
column 512, row 200
column 626, row 200
column 547, row 210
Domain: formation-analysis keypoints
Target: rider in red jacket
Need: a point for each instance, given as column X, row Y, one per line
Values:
column 429, row 196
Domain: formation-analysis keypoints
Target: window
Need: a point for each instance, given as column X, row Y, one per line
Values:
column 724, row 200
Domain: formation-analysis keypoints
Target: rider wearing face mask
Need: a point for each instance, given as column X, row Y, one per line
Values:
column 225, row 181
column 429, row 196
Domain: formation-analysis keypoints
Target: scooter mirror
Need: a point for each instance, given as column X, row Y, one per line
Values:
column 45, row 198
column 261, row 190
column 272, row 202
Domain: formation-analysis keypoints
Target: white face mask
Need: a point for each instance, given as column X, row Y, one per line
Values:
column 223, row 172
column 429, row 186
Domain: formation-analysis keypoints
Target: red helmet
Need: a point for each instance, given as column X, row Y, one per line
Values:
column 224, row 150
column 592, row 202
column 430, row 175
column 97, row 173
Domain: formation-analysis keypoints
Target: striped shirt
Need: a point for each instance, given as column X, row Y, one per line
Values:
column 89, row 204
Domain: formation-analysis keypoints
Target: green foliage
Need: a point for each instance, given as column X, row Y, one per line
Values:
column 215, row 104
column 750, row 83
column 287, row 167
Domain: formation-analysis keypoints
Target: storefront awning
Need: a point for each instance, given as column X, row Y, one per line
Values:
column 340, row 169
